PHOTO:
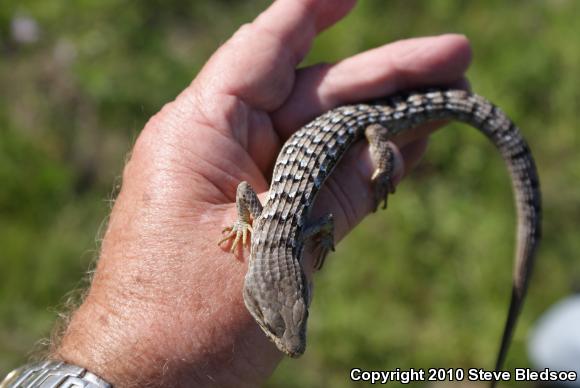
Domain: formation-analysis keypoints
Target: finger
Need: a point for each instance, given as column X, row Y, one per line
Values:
column 258, row 63
column 375, row 73
column 412, row 154
column 296, row 22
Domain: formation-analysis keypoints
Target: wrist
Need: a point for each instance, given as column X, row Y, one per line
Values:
column 131, row 342
column 97, row 339
column 52, row 374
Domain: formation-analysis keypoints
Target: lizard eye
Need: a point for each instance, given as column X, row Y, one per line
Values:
column 274, row 322
column 299, row 313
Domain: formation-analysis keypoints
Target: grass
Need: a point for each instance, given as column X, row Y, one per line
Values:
column 422, row 285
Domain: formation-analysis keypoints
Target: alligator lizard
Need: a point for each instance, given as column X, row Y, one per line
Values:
column 276, row 291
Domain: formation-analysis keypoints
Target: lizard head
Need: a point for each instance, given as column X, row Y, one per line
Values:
column 282, row 317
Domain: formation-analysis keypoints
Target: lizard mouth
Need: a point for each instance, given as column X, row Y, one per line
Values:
column 289, row 343
column 292, row 347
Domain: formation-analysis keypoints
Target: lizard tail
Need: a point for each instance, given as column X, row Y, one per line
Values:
column 513, row 313
column 517, row 155
column 503, row 133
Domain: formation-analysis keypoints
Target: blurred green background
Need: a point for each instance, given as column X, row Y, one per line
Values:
column 424, row 285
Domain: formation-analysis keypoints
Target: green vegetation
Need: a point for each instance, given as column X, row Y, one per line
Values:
column 422, row 285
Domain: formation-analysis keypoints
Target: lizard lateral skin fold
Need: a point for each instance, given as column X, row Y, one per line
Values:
column 276, row 290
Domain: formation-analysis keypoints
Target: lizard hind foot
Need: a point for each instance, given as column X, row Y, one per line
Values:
column 383, row 186
column 383, row 154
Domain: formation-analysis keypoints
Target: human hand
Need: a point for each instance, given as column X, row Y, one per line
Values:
column 165, row 306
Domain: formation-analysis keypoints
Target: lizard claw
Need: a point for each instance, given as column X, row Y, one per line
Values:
column 382, row 187
column 322, row 233
column 325, row 245
column 239, row 231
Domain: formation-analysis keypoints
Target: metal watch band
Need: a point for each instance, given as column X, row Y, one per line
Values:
column 52, row 374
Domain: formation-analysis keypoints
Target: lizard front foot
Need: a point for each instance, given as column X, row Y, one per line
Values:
column 247, row 204
column 239, row 231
